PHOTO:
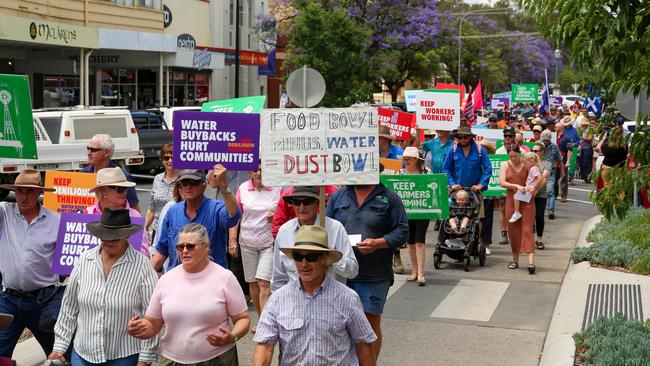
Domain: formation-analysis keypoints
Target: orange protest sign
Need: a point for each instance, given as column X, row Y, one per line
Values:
column 72, row 191
column 391, row 166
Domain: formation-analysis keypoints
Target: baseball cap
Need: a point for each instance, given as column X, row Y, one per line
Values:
column 192, row 174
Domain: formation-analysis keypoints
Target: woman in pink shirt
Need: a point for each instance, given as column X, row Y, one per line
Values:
column 201, row 305
column 257, row 204
column 110, row 188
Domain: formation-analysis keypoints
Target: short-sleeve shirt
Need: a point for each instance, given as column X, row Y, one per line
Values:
column 254, row 205
column 533, row 173
column 214, row 296
column 161, row 193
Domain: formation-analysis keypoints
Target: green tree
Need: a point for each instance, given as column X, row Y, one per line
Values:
column 334, row 44
column 612, row 37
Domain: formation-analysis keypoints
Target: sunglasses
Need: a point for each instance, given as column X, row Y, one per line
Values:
column 190, row 183
column 492, row 120
column 538, row 150
column 311, row 257
column 508, row 136
column 464, row 137
column 190, row 246
column 537, row 131
column 306, row 201
column 93, row 149
column 118, row 189
column 166, row 158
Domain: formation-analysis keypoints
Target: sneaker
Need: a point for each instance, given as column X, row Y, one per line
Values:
column 515, row 216
column 487, row 251
column 551, row 216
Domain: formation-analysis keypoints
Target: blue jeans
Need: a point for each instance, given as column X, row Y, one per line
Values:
column 550, row 192
column 27, row 314
column 76, row 360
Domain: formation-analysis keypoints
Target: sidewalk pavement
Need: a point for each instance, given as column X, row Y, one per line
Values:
column 582, row 296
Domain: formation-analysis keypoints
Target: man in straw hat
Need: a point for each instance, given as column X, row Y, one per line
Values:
column 317, row 320
column 32, row 294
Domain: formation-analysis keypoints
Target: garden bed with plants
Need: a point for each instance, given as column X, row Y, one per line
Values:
column 613, row 341
column 619, row 244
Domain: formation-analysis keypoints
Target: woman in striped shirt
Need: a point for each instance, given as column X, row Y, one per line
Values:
column 110, row 285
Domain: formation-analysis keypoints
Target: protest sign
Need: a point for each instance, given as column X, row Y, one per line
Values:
column 424, row 195
column 494, row 187
column 506, row 95
column 72, row 191
column 237, row 105
column 524, row 93
column 17, row 138
column 74, row 239
column 445, row 86
column 411, row 99
column 555, row 100
column 399, row 123
column 203, row 139
column 319, row 146
column 438, row 110
column 391, row 166
column 499, row 103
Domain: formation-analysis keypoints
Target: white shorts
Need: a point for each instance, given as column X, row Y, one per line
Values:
column 257, row 262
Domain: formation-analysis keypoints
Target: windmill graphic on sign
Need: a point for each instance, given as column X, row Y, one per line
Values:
column 8, row 135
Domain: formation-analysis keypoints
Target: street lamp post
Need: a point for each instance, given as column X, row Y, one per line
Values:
column 460, row 28
column 558, row 55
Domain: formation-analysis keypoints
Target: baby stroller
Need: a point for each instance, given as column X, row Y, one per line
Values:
column 461, row 246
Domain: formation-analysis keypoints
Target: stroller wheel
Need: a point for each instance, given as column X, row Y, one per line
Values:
column 467, row 262
column 481, row 255
column 437, row 258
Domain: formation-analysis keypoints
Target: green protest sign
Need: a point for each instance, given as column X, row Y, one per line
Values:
column 237, row 105
column 573, row 161
column 424, row 196
column 17, row 129
column 494, row 187
column 524, row 93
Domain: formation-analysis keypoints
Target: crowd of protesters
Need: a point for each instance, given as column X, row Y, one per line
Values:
column 319, row 292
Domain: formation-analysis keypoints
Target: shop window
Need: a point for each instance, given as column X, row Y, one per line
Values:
column 60, row 91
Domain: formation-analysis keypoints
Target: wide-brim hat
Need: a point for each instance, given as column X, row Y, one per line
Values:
column 115, row 224
column 538, row 128
column 567, row 121
column 385, row 132
column 464, row 130
column 312, row 238
column 302, row 191
column 113, row 177
column 28, row 178
column 412, row 152
column 5, row 320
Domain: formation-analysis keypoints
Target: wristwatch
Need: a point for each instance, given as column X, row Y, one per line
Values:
column 226, row 191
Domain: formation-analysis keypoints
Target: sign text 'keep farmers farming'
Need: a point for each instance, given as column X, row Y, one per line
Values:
column 424, row 195
column 319, row 146
column 203, row 139
column 438, row 110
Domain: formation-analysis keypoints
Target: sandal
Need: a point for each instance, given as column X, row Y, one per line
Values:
column 531, row 268
column 412, row 278
column 421, row 281
column 513, row 265
column 539, row 245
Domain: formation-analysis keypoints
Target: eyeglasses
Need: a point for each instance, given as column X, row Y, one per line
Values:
column 190, row 183
column 464, row 137
column 190, row 246
column 94, row 149
column 118, row 189
column 311, row 257
column 306, row 201
column 166, row 158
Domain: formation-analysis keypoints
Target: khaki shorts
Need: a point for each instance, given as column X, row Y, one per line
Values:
column 228, row 358
column 257, row 263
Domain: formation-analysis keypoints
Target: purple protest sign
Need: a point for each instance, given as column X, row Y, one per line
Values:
column 74, row 239
column 498, row 103
column 555, row 100
column 203, row 139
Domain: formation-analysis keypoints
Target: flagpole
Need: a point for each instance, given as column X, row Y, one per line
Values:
column 548, row 96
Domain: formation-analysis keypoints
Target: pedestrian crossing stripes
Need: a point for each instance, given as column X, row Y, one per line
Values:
column 471, row 300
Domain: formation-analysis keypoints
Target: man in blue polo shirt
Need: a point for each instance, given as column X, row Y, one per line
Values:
column 100, row 150
column 465, row 164
column 216, row 215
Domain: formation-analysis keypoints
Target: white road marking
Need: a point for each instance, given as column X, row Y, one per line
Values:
column 581, row 189
column 143, row 190
column 579, row 201
column 399, row 281
column 471, row 300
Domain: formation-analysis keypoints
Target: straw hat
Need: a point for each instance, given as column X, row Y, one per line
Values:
column 385, row 132
column 111, row 177
column 115, row 224
column 567, row 121
column 411, row 152
column 314, row 239
column 28, row 178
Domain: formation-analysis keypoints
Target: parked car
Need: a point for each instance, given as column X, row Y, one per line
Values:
column 62, row 135
column 153, row 132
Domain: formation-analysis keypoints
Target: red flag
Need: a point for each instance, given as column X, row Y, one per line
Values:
column 469, row 110
column 477, row 96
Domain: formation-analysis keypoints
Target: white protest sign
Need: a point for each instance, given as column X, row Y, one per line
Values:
column 411, row 99
column 319, row 146
column 438, row 110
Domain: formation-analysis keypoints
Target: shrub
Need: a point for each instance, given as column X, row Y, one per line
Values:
column 615, row 341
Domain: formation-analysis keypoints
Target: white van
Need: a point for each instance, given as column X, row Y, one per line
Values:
column 168, row 113
column 62, row 136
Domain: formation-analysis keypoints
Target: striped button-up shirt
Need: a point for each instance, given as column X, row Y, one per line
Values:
column 318, row 329
column 96, row 311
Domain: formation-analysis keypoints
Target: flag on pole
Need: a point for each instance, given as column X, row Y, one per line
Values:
column 595, row 104
column 545, row 106
column 477, row 96
column 469, row 110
